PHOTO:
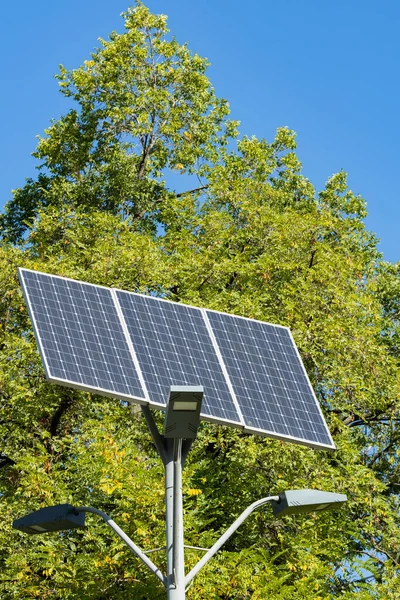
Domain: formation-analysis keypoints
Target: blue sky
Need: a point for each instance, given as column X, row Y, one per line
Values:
column 328, row 70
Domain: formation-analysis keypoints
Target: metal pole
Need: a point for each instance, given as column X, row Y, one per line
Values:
column 179, row 548
column 174, row 521
column 169, row 517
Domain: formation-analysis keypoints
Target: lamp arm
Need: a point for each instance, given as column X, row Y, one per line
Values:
column 131, row 545
column 224, row 537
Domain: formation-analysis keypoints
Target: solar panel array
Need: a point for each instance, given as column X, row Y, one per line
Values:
column 135, row 347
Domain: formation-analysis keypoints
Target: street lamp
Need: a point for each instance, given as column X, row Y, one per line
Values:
column 180, row 428
column 65, row 516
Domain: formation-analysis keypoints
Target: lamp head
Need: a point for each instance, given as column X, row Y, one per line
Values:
column 294, row 502
column 182, row 418
column 51, row 518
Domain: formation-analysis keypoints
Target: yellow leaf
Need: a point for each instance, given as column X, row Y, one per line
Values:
column 108, row 487
column 193, row 492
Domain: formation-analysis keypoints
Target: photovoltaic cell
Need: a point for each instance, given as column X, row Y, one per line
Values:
column 80, row 335
column 269, row 379
column 173, row 347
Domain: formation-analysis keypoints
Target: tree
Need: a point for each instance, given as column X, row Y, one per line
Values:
column 144, row 106
column 256, row 240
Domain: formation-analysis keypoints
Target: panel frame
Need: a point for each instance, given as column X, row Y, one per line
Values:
column 273, row 434
column 59, row 380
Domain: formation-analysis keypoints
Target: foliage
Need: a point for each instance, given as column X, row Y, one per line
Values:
column 144, row 105
column 257, row 240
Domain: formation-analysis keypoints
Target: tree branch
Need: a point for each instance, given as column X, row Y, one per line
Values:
column 65, row 404
column 312, row 259
column 199, row 189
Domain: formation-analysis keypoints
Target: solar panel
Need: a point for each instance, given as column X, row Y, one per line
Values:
column 135, row 347
column 268, row 379
column 80, row 336
column 173, row 347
